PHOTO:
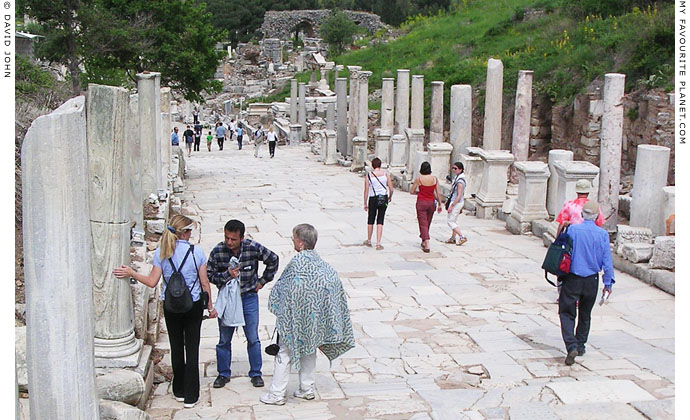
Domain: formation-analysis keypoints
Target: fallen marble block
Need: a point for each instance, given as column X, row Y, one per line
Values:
column 664, row 254
column 637, row 252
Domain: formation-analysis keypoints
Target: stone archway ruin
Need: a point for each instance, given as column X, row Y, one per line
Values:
column 282, row 24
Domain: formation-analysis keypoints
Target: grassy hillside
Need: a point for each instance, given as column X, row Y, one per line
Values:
column 565, row 53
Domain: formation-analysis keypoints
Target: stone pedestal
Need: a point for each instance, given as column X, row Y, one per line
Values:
column 611, row 148
column 492, row 192
column 341, row 99
column 439, row 157
column 415, row 143
column 436, row 123
column 651, row 171
column 552, row 203
column 330, row 116
column 148, row 85
column 531, row 200
column 568, row 173
column 402, row 101
column 398, row 153
column 420, row 157
column 57, row 266
column 107, row 108
column 331, row 153
column 522, row 120
column 295, row 134
column 474, row 171
column 302, row 111
column 460, row 120
column 383, row 145
column 293, row 101
column 359, row 153
column 493, row 107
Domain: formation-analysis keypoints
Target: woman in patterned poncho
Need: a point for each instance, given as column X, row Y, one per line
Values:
column 311, row 312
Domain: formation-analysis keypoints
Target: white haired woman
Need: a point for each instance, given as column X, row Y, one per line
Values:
column 184, row 329
column 311, row 313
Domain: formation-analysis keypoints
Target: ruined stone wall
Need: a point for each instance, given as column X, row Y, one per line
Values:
column 280, row 24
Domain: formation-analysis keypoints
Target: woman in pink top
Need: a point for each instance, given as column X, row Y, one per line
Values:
column 571, row 212
column 428, row 193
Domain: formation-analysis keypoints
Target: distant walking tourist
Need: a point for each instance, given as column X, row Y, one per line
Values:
column 184, row 329
column 249, row 253
column 197, row 136
column 570, row 213
column 272, row 139
column 311, row 313
column 378, row 192
column 175, row 138
column 209, row 140
column 258, row 141
column 590, row 255
column 195, row 114
column 455, row 202
column 189, row 139
column 428, row 193
column 239, row 137
column 220, row 134
column 231, row 129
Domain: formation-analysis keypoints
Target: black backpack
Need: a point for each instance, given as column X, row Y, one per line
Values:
column 178, row 298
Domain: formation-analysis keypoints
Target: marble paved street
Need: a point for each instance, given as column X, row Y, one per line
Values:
column 466, row 332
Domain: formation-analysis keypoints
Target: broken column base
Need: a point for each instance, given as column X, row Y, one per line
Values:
column 488, row 210
column 516, row 227
column 132, row 386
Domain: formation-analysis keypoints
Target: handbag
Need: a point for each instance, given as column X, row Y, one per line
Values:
column 381, row 200
column 558, row 257
column 273, row 349
column 204, row 294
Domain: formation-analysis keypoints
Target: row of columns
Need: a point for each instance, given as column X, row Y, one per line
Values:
column 108, row 152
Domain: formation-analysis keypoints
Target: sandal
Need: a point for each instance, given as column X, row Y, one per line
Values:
column 366, row 243
column 450, row 240
column 379, row 247
column 427, row 250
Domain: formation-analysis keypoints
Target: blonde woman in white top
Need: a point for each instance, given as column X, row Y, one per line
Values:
column 377, row 183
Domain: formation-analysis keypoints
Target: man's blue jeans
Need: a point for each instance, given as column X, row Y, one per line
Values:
column 250, row 306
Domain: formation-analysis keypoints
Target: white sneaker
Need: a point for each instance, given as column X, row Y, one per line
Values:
column 179, row 399
column 190, row 405
column 272, row 399
column 305, row 395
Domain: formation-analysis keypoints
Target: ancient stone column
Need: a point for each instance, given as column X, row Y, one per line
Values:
column 439, row 158
column 166, row 122
column 331, row 154
column 353, row 110
column 492, row 192
column 522, row 120
column 323, row 83
column 531, row 201
column 337, row 68
column 493, row 106
column 359, row 143
column 133, row 159
column 402, row 101
column 107, row 110
column 293, row 101
column 341, row 94
column 417, row 111
column 553, row 205
column 415, row 134
column 148, row 85
column 651, row 172
column 460, row 120
column 611, row 146
column 330, row 116
column 436, row 123
column 303, row 110
column 57, row 266
column 387, row 103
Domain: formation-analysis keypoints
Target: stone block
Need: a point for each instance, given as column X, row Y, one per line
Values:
column 636, row 252
column 516, row 227
column 624, row 205
column 627, row 234
column 121, row 385
column 116, row 410
column 20, row 358
column 664, row 255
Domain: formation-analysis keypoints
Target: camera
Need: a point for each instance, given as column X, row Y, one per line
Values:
column 448, row 178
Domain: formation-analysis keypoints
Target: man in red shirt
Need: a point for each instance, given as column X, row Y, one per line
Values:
column 571, row 212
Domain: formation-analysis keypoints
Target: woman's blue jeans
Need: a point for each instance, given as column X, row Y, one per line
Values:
column 250, row 306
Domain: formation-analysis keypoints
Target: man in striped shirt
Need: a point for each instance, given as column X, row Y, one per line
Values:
column 249, row 253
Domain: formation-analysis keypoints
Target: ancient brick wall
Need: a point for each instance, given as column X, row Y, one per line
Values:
column 280, row 24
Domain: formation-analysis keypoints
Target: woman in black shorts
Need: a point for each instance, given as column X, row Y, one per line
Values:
column 378, row 192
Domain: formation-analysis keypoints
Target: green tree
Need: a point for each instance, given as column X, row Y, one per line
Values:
column 115, row 39
column 337, row 30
